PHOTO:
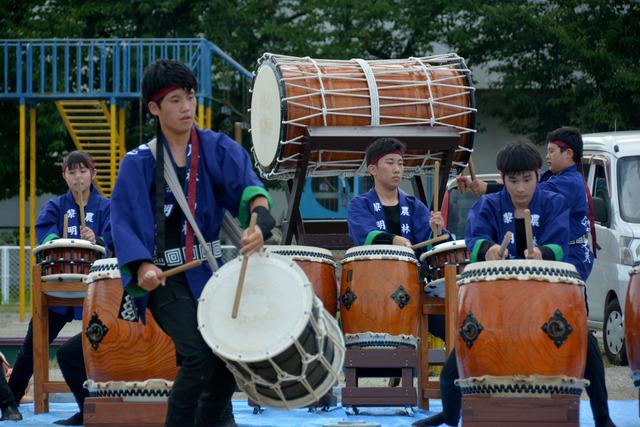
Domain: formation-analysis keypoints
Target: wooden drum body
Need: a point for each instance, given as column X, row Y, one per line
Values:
column 448, row 253
column 64, row 260
column 379, row 290
column 319, row 266
column 283, row 348
column 522, row 327
column 116, row 345
column 632, row 324
column 291, row 93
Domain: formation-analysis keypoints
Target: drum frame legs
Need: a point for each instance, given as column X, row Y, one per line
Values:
column 430, row 389
column 42, row 386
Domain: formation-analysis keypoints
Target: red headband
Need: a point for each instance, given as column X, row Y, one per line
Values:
column 560, row 144
column 161, row 93
column 381, row 155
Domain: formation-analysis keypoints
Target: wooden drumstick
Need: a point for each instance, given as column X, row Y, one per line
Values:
column 430, row 241
column 180, row 268
column 472, row 169
column 243, row 271
column 528, row 231
column 80, row 202
column 436, row 190
column 505, row 241
column 65, row 226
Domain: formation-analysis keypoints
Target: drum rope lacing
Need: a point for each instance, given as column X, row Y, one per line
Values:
column 521, row 385
column 373, row 90
column 324, row 101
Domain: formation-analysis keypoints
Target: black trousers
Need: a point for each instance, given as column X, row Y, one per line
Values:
column 203, row 386
column 594, row 372
column 23, row 367
column 72, row 366
column 6, row 396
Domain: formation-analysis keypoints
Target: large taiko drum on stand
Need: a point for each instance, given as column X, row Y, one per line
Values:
column 291, row 93
column 64, row 260
column 319, row 266
column 632, row 324
column 380, row 290
column 522, row 328
column 116, row 345
column 284, row 349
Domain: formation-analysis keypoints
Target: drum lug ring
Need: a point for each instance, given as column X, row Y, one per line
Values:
column 557, row 328
column 96, row 331
column 348, row 298
column 470, row 329
column 401, row 297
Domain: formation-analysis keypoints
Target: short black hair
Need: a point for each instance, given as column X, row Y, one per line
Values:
column 570, row 136
column 381, row 147
column 77, row 158
column 518, row 156
column 164, row 73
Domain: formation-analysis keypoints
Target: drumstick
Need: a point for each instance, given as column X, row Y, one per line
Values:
column 527, row 229
column 80, row 202
column 243, row 270
column 505, row 241
column 436, row 190
column 180, row 268
column 65, row 226
column 430, row 241
column 472, row 169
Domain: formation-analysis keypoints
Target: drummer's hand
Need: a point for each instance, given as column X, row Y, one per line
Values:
column 401, row 241
column 148, row 276
column 493, row 254
column 464, row 183
column 252, row 242
column 436, row 222
column 478, row 187
column 535, row 255
column 87, row 234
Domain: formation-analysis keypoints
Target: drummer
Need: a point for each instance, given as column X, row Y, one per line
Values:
column 151, row 234
column 386, row 215
column 78, row 171
column 564, row 155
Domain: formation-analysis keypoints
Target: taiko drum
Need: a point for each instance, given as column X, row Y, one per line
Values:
column 116, row 345
column 448, row 253
column 521, row 317
column 379, row 290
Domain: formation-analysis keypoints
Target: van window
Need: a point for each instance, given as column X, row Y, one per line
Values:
column 600, row 189
column 629, row 188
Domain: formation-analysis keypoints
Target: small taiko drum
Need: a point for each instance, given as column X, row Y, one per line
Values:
column 290, row 94
column 283, row 348
column 632, row 324
column 116, row 345
column 64, row 260
column 447, row 253
column 380, row 290
column 319, row 266
column 522, row 328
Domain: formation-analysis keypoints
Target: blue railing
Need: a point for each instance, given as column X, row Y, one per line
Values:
column 47, row 69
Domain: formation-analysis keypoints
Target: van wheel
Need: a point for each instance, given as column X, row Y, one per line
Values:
column 613, row 334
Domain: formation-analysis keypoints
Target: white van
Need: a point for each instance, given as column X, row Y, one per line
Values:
column 611, row 164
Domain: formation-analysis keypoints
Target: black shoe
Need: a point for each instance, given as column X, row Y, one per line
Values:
column 434, row 420
column 11, row 413
column 74, row 420
column 604, row 421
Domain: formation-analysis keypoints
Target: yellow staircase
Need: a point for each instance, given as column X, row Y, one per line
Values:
column 93, row 130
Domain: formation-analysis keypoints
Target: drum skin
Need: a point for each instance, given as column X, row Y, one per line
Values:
column 512, row 341
column 67, row 256
column 398, row 82
column 129, row 351
column 323, row 279
column 632, row 321
column 436, row 261
column 373, row 282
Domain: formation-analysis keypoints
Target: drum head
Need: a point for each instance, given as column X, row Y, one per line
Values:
column 275, row 307
column 69, row 243
column 266, row 115
column 444, row 247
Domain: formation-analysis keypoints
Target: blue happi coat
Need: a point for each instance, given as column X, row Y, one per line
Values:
column 225, row 181
column 366, row 219
column 493, row 215
column 570, row 184
column 50, row 224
